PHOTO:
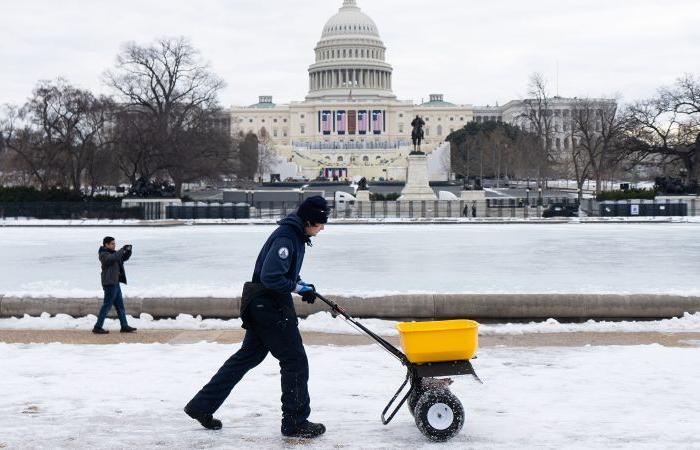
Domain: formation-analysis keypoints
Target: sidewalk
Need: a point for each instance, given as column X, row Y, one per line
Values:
column 682, row 339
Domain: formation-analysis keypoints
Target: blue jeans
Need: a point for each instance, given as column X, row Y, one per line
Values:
column 113, row 296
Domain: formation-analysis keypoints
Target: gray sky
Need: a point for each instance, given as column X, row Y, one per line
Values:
column 474, row 52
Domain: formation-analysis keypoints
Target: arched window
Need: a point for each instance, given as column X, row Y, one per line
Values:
column 340, row 159
column 439, row 130
column 365, row 158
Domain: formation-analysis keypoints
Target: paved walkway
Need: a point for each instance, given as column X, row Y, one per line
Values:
column 312, row 338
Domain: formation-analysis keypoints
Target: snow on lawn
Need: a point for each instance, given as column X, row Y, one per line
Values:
column 325, row 323
column 131, row 396
column 364, row 260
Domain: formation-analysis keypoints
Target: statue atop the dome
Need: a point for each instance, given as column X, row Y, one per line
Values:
column 417, row 134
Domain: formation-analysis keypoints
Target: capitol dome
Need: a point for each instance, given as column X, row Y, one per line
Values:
column 350, row 20
column 350, row 59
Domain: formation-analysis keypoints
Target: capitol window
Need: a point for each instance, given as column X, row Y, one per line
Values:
column 439, row 130
column 340, row 159
column 365, row 159
column 302, row 129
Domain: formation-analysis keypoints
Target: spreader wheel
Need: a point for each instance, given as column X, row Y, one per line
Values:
column 439, row 415
column 412, row 400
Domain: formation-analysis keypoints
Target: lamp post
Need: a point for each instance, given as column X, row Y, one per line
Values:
column 527, row 193
column 539, row 196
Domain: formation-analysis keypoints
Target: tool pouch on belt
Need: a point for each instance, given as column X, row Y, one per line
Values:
column 253, row 291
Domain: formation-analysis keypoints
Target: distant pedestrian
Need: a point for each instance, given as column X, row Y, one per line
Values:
column 474, row 208
column 465, row 211
column 113, row 273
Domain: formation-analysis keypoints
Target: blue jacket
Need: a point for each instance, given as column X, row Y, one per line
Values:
column 279, row 262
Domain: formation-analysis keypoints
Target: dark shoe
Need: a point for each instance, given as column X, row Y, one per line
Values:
column 98, row 330
column 127, row 329
column 206, row 420
column 307, row 430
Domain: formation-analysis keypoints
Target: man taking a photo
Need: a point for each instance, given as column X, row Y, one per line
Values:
column 113, row 273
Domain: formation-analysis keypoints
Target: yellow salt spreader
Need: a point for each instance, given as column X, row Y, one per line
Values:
column 430, row 350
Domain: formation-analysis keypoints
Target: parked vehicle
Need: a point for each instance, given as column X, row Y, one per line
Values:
column 561, row 210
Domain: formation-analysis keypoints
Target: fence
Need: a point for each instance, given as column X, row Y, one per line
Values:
column 507, row 208
column 69, row 210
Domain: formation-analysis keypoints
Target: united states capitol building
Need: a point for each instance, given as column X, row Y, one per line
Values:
column 352, row 124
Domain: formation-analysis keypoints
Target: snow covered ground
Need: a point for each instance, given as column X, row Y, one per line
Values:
column 323, row 322
column 365, row 260
column 131, row 395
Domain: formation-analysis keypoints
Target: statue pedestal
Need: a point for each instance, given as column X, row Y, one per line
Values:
column 362, row 196
column 479, row 196
column 417, row 184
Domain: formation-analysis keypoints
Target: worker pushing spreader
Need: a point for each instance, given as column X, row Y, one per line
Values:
column 432, row 349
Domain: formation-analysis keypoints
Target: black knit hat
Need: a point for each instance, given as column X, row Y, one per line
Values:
column 314, row 210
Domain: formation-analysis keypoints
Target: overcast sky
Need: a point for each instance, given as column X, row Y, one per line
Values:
column 474, row 52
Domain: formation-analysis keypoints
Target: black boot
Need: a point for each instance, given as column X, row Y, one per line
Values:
column 127, row 329
column 307, row 430
column 206, row 420
column 99, row 330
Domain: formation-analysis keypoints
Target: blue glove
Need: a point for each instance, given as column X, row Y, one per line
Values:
column 307, row 292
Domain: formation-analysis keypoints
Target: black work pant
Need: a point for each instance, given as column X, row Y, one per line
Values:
column 272, row 328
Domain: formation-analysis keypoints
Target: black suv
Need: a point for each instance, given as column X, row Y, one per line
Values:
column 561, row 210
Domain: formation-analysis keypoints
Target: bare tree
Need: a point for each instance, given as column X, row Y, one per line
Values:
column 168, row 97
column 29, row 138
column 538, row 113
column 684, row 99
column 596, row 129
column 658, row 131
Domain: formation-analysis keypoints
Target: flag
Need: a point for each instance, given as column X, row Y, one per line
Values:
column 362, row 122
column 377, row 121
column 326, row 122
column 341, row 122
